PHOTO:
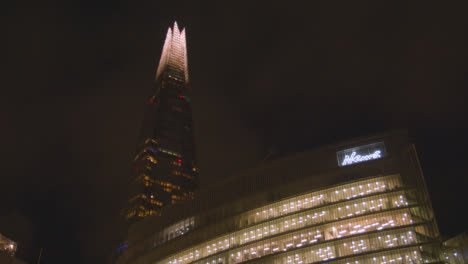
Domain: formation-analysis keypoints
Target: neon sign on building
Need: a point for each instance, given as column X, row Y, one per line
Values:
column 361, row 154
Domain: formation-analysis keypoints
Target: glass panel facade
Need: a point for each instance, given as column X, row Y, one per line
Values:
column 314, row 199
column 173, row 231
column 375, row 218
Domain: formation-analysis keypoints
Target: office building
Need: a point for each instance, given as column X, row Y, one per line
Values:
column 363, row 201
column 164, row 170
column 456, row 249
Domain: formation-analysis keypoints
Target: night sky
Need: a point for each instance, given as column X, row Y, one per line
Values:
column 279, row 76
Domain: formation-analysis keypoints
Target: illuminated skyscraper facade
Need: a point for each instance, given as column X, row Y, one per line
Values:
column 164, row 165
column 362, row 201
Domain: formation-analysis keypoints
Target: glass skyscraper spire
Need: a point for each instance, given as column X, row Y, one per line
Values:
column 164, row 165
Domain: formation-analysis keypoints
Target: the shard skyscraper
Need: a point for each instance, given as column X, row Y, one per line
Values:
column 164, row 165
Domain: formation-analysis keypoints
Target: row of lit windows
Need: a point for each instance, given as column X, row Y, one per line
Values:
column 353, row 207
column 167, row 186
column 142, row 211
column 320, row 252
column 130, row 214
column 406, row 255
column 156, row 202
column 177, row 79
column 186, row 175
column 325, row 214
column 315, row 234
column 151, row 159
column 148, row 212
column 179, row 198
column 176, row 163
column 173, row 231
column 151, row 140
column 330, row 195
column 142, row 196
column 170, row 152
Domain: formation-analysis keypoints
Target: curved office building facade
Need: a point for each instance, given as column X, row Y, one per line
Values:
column 374, row 211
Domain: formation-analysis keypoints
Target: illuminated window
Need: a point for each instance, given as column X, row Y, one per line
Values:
column 170, row 152
column 150, row 140
column 175, row 163
column 151, row 159
column 186, row 175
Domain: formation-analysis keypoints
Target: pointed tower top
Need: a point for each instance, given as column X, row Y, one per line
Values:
column 176, row 26
column 174, row 55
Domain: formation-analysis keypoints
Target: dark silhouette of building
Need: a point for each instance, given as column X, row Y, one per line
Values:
column 164, row 169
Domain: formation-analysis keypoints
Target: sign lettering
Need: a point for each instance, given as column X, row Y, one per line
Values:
column 361, row 154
